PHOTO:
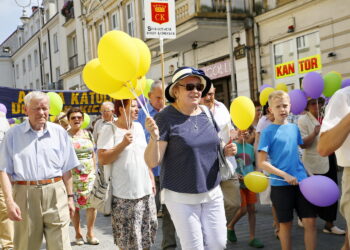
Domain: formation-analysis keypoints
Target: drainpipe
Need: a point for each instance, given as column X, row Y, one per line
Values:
column 40, row 64
column 257, row 53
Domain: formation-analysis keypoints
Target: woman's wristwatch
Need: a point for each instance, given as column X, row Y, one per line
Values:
column 70, row 195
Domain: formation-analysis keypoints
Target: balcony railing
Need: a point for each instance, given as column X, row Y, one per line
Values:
column 73, row 62
column 186, row 9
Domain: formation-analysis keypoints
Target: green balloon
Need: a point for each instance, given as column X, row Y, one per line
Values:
column 147, row 88
column 86, row 121
column 56, row 103
column 332, row 82
column 17, row 121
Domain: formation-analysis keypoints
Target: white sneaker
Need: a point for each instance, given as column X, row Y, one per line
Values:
column 334, row 230
column 300, row 224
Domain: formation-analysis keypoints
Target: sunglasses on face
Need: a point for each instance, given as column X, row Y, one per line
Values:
column 191, row 86
column 76, row 118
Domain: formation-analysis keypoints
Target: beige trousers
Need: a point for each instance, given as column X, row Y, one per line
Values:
column 6, row 225
column 232, row 197
column 45, row 212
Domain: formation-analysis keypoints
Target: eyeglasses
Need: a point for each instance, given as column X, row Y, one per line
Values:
column 191, row 86
column 76, row 118
column 105, row 111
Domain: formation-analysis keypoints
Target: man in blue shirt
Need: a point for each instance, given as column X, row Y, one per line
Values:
column 37, row 157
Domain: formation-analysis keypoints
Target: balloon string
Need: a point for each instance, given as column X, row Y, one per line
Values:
column 278, row 179
column 318, row 112
column 144, row 98
column 132, row 90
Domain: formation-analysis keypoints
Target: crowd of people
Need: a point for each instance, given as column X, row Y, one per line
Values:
column 164, row 161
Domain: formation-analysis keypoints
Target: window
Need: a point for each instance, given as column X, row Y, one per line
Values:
column 36, row 59
column 115, row 21
column 99, row 31
column 29, row 62
column 308, row 45
column 55, row 43
column 37, row 84
column 20, row 41
column 130, row 20
column 72, row 52
column 24, row 66
column 44, row 50
column 31, row 85
column 58, row 73
column 17, row 71
column 282, row 52
column 31, row 30
column 47, row 15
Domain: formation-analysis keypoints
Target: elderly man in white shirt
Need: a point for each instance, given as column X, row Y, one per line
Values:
column 107, row 112
column 37, row 157
column 230, row 188
column 335, row 136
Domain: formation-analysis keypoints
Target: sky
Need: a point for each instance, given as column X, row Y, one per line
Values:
column 10, row 13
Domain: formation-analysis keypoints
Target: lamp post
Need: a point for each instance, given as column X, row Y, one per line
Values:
column 233, row 93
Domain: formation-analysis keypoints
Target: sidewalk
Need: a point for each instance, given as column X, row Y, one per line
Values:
column 264, row 232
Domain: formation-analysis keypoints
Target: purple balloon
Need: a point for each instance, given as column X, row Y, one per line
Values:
column 11, row 120
column 320, row 190
column 3, row 108
column 313, row 84
column 262, row 87
column 345, row 83
column 298, row 101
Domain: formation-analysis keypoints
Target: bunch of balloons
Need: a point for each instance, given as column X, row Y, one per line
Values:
column 314, row 86
column 120, row 68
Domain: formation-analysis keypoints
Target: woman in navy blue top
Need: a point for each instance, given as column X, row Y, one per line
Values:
column 185, row 142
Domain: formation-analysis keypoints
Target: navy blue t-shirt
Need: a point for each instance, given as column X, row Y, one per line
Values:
column 281, row 143
column 190, row 163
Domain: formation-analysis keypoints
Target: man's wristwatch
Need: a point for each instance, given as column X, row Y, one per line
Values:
column 70, row 195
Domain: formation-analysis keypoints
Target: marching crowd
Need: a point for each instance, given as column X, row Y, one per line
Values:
column 164, row 160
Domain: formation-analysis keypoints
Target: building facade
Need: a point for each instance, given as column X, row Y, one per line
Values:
column 296, row 37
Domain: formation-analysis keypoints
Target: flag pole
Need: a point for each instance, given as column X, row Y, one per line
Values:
column 161, row 45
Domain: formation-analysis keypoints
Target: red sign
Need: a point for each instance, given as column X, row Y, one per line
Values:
column 160, row 12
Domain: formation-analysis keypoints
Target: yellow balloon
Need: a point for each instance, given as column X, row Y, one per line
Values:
column 52, row 118
column 97, row 79
column 125, row 91
column 256, row 181
column 264, row 95
column 145, row 57
column 282, row 86
column 242, row 111
column 119, row 55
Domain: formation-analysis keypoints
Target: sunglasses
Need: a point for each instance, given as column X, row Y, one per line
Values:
column 191, row 86
column 76, row 117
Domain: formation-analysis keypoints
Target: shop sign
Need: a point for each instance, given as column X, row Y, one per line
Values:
column 284, row 70
column 239, row 52
column 310, row 63
column 305, row 65
column 218, row 70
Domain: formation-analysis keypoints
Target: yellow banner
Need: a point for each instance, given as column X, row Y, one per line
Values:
column 284, row 70
column 310, row 63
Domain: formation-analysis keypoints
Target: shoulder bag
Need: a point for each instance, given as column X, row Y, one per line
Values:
column 225, row 166
column 100, row 196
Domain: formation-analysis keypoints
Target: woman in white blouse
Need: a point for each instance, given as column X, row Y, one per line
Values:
column 122, row 144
